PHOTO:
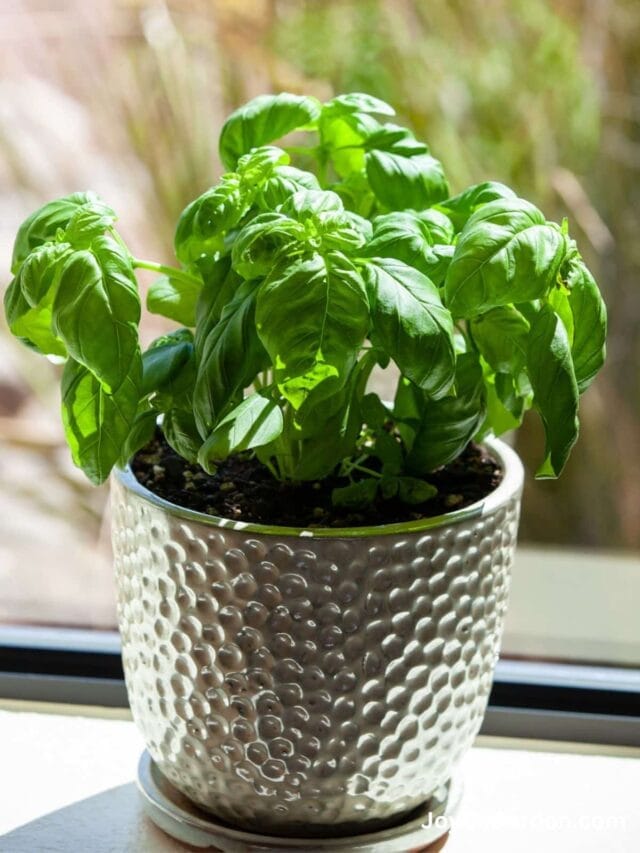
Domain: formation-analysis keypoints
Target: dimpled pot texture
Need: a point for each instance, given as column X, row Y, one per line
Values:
column 311, row 682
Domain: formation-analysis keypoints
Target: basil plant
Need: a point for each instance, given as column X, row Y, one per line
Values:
column 292, row 282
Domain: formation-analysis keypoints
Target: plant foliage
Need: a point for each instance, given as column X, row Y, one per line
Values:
column 292, row 283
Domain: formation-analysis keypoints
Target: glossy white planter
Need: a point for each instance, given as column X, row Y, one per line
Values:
column 311, row 682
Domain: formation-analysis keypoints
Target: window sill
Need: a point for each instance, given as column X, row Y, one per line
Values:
column 72, row 788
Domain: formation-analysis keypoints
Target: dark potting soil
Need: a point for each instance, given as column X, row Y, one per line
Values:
column 243, row 489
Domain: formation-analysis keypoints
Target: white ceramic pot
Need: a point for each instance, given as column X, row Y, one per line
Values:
column 311, row 682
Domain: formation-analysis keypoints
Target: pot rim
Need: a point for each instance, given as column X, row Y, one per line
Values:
column 511, row 484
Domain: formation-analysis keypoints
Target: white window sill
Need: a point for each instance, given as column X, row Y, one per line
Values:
column 68, row 784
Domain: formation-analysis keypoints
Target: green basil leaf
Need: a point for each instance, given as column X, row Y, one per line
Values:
column 511, row 394
column 203, row 223
column 228, row 358
column 399, row 181
column 357, row 102
column 374, row 411
column 449, row 424
column 344, row 231
column 500, row 417
column 165, row 359
column 409, row 402
column 259, row 165
column 331, row 428
column 558, row 299
column 589, row 325
column 506, row 253
column 389, row 451
column 180, row 430
column 438, row 263
column 97, row 424
column 284, row 182
column 438, row 227
column 311, row 204
column 88, row 222
column 142, row 431
column 501, row 336
column 460, row 207
column 326, row 222
column 327, row 298
column 412, row 490
column 174, row 298
column 44, row 224
column 40, row 272
column 97, row 309
column 258, row 245
column 32, row 326
column 356, row 495
column 412, row 324
column 402, row 236
column 552, row 377
column 343, row 135
column 220, row 285
column 255, row 422
column 263, row 120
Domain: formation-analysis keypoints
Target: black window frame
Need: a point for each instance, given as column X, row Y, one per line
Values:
column 529, row 699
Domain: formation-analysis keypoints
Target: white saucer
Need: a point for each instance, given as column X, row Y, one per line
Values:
column 178, row 817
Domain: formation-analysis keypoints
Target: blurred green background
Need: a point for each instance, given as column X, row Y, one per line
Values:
column 127, row 97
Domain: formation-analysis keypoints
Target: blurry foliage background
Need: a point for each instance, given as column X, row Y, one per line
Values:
column 127, row 97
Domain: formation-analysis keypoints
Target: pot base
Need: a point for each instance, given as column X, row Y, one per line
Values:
column 172, row 812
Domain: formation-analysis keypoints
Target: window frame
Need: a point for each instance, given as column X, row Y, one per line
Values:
column 529, row 699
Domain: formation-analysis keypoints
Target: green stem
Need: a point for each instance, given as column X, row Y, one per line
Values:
column 353, row 466
column 163, row 269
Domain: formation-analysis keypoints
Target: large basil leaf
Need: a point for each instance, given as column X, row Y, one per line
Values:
column 96, row 423
column 312, row 317
column 553, row 380
column 202, row 223
column 174, row 298
column 262, row 120
column 460, row 207
column 255, row 422
column 449, row 424
column 228, row 358
column 589, row 314
column 43, row 225
column 412, row 324
column 402, row 236
column 506, row 253
column 501, row 336
column 401, row 181
column 97, row 309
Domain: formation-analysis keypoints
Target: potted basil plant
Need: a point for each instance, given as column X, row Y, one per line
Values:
column 312, row 580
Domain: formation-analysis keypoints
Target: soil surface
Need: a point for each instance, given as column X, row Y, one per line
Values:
column 242, row 489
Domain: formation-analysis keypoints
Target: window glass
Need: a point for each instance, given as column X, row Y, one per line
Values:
column 127, row 99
